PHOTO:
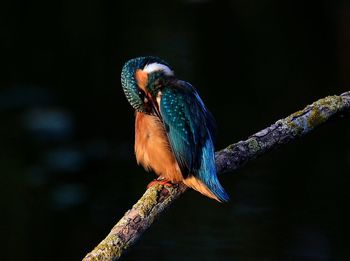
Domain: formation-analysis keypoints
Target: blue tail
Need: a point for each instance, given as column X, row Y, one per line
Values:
column 207, row 172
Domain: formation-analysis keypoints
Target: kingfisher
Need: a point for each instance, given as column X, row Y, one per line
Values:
column 174, row 131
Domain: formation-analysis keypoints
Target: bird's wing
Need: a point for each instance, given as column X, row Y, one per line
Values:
column 188, row 124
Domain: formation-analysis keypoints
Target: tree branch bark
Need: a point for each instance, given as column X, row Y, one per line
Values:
column 157, row 198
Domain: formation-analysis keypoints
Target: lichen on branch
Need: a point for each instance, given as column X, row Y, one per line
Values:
column 157, row 198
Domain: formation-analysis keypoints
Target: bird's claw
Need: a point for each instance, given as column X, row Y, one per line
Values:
column 160, row 181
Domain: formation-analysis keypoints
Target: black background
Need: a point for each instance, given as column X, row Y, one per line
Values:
column 67, row 167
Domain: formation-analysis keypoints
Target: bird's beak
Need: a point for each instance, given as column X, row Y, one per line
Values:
column 155, row 106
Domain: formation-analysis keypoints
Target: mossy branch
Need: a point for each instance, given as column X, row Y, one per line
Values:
column 157, row 198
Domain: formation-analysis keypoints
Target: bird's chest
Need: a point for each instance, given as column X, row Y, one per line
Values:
column 152, row 147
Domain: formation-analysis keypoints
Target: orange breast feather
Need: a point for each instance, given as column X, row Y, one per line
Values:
column 153, row 152
column 152, row 148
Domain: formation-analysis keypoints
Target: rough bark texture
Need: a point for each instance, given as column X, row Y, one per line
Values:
column 157, row 198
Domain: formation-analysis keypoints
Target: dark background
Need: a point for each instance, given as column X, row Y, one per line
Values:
column 67, row 167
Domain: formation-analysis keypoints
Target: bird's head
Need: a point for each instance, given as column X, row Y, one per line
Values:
column 142, row 80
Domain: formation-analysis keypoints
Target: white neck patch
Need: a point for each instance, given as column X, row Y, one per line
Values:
column 153, row 67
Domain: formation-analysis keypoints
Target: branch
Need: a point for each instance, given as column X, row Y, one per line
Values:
column 157, row 198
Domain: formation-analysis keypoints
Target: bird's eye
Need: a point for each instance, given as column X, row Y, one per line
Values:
column 142, row 95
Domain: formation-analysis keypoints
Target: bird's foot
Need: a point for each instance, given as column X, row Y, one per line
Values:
column 161, row 181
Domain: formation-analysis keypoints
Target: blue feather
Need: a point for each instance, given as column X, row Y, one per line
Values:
column 190, row 129
column 207, row 171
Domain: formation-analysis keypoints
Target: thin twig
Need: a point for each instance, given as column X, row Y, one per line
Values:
column 157, row 198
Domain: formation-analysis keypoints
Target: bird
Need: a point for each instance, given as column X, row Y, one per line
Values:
column 174, row 130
